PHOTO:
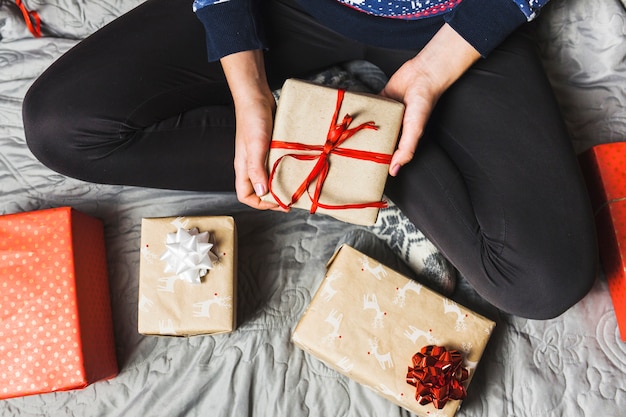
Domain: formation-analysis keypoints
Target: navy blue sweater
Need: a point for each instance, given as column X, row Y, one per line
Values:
column 234, row 25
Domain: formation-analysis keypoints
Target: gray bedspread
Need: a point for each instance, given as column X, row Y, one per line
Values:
column 574, row 365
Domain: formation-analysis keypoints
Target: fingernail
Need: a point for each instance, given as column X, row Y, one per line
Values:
column 260, row 190
column 394, row 170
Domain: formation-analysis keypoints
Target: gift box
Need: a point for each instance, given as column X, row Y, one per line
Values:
column 367, row 322
column 331, row 149
column 187, row 283
column 604, row 167
column 56, row 331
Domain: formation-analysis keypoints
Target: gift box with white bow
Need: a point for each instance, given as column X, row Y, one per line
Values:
column 406, row 342
column 187, row 277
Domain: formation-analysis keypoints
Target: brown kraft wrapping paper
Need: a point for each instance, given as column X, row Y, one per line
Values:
column 170, row 306
column 304, row 115
column 366, row 321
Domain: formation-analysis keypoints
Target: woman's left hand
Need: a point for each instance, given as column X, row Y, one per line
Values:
column 414, row 88
column 419, row 83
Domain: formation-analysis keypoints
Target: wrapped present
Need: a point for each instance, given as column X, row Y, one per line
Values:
column 604, row 167
column 187, row 278
column 331, row 149
column 404, row 341
column 56, row 331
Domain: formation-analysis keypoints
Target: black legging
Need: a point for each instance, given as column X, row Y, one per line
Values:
column 494, row 183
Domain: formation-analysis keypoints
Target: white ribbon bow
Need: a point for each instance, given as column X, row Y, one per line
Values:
column 188, row 254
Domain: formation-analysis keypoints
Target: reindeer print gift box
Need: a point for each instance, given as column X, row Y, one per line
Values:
column 367, row 321
column 187, row 277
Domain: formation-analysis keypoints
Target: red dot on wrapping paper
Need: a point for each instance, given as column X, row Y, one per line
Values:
column 385, row 313
column 224, row 254
column 215, row 294
column 340, row 336
column 362, row 269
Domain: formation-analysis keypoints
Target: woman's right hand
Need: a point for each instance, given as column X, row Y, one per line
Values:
column 252, row 142
column 254, row 112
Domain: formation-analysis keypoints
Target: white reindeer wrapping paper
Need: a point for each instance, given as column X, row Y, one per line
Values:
column 169, row 305
column 366, row 321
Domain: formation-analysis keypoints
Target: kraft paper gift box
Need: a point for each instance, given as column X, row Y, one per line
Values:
column 170, row 305
column 56, row 331
column 604, row 167
column 367, row 321
column 357, row 168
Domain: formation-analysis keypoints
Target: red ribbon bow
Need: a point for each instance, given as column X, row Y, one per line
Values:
column 338, row 133
column 32, row 19
column 438, row 376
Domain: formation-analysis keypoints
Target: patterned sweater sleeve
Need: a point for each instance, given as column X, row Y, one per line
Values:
column 230, row 25
column 486, row 23
column 530, row 8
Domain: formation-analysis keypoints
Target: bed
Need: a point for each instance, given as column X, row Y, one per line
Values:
column 574, row 365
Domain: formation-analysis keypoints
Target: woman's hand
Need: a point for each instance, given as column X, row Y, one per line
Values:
column 252, row 141
column 411, row 86
column 254, row 112
column 420, row 82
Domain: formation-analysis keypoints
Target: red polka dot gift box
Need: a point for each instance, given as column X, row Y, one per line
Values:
column 605, row 171
column 56, row 330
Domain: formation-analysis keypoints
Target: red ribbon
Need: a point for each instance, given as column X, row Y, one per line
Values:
column 32, row 19
column 438, row 376
column 338, row 133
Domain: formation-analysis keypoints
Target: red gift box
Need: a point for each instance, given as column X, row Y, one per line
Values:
column 605, row 171
column 56, row 330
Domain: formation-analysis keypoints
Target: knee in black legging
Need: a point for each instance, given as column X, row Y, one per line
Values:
column 46, row 129
column 544, row 289
column 57, row 135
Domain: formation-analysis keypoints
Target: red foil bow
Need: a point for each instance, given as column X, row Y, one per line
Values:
column 438, row 376
column 338, row 133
